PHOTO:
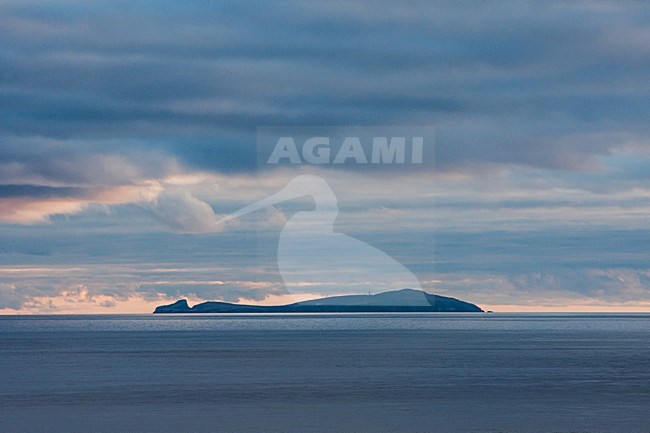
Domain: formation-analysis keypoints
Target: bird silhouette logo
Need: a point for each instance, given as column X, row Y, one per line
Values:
column 311, row 254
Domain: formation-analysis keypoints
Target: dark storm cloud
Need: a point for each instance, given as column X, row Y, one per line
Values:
column 507, row 83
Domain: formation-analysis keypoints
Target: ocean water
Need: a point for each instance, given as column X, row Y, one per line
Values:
column 356, row 373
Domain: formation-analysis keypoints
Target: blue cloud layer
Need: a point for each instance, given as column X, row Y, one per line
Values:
column 124, row 124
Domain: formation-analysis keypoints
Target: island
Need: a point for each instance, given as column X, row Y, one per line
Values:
column 398, row 301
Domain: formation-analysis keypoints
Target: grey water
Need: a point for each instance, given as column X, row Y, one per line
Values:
column 356, row 373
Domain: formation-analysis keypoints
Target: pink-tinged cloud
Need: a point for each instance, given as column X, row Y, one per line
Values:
column 34, row 210
column 173, row 206
column 25, row 210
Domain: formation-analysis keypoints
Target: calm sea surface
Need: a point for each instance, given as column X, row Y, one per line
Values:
column 356, row 373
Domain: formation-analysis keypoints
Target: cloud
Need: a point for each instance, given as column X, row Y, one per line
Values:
column 29, row 211
column 226, row 291
column 9, row 298
column 113, row 115
column 511, row 84
column 179, row 210
column 29, row 204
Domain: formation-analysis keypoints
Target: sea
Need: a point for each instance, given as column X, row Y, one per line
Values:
column 317, row 373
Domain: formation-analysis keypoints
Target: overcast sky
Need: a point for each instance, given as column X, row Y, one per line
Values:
column 127, row 129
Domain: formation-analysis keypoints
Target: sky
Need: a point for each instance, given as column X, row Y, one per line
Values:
column 128, row 129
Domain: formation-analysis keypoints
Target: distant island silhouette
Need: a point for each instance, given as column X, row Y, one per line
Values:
column 398, row 301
